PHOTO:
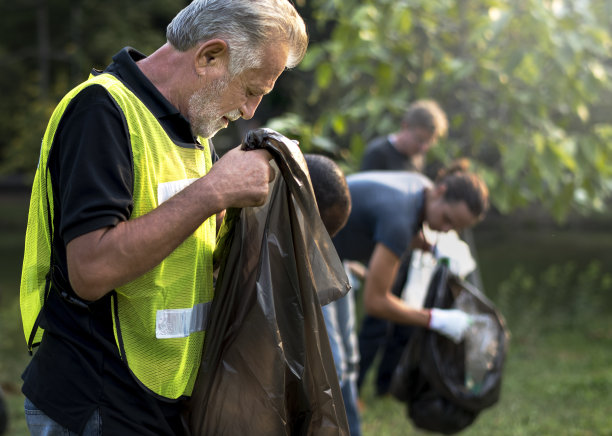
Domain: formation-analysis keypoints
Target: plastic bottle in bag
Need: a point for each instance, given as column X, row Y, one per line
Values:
column 480, row 350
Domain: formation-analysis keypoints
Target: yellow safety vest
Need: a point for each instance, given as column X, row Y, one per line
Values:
column 159, row 319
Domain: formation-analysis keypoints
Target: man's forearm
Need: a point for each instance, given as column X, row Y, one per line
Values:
column 105, row 259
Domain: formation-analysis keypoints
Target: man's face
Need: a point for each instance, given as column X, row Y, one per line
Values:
column 221, row 99
column 415, row 140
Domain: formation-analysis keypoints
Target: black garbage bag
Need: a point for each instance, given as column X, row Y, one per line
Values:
column 267, row 366
column 447, row 385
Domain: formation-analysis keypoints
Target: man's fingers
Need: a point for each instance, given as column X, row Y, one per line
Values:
column 268, row 157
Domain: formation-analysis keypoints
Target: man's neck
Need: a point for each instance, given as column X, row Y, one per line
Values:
column 163, row 68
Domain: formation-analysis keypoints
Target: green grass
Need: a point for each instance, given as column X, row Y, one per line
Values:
column 555, row 289
column 558, row 374
column 555, row 384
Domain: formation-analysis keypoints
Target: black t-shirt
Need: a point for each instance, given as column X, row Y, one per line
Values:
column 77, row 368
column 380, row 154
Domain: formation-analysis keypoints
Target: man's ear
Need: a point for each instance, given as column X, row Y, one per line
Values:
column 212, row 53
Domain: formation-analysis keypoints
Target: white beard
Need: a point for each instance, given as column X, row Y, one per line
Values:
column 205, row 112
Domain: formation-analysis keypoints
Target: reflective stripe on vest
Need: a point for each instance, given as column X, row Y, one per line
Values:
column 180, row 323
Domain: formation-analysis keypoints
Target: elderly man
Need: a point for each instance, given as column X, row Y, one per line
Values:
column 118, row 263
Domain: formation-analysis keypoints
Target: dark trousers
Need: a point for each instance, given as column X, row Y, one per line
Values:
column 376, row 334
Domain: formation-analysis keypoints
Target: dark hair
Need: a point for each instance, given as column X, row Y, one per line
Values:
column 428, row 115
column 331, row 191
column 463, row 185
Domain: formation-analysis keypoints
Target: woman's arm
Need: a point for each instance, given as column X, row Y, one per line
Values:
column 379, row 301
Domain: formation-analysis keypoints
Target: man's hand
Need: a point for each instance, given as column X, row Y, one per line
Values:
column 240, row 178
column 451, row 323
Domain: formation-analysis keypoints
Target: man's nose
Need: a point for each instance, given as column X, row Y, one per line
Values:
column 249, row 107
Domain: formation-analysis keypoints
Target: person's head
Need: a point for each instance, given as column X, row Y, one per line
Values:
column 331, row 191
column 458, row 200
column 423, row 123
column 239, row 48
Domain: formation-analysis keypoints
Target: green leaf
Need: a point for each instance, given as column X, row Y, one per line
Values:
column 324, row 75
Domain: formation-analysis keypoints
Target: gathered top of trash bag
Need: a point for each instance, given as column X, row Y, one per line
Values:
column 267, row 366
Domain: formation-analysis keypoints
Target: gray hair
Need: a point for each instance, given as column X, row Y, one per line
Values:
column 246, row 25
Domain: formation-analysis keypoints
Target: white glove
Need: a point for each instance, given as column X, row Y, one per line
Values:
column 451, row 323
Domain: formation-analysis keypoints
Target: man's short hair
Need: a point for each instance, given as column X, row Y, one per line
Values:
column 331, row 191
column 428, row 115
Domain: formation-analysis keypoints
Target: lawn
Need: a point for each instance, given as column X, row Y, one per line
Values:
column 557, row 383
column 553, row 287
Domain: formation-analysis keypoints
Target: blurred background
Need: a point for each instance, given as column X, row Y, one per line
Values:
column 527, row 87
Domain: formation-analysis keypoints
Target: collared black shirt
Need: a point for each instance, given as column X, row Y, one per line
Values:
column 77, row 369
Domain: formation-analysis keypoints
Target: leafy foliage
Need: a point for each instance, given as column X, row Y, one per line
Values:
column 49, row 46
column 525, row 86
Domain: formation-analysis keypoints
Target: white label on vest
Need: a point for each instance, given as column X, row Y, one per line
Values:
column 180, row 323
column 168, row 189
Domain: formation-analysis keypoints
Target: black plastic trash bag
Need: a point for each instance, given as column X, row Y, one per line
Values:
column 267, row 367
column 446, row 385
